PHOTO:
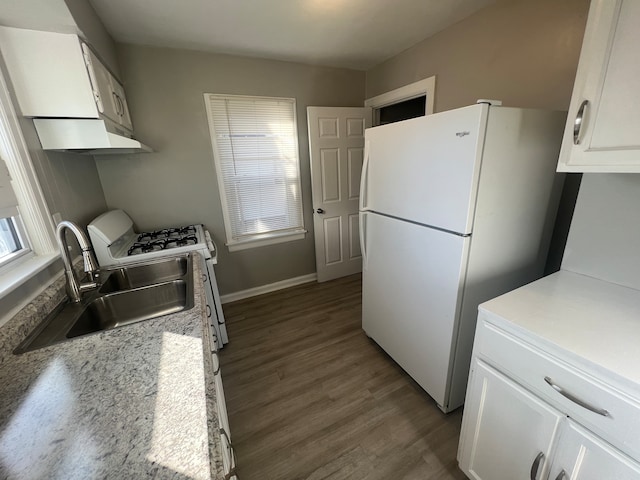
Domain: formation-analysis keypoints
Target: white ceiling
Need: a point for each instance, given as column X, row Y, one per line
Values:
column 344, row 33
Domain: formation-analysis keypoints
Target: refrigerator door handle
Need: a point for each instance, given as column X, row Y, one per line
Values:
column 363, row 242
column 364, row 176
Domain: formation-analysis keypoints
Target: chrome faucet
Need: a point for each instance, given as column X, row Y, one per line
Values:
column 74, row 287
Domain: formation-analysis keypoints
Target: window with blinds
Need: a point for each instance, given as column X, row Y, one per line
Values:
column 27, row 241
column 255, row 147
column 11, row 231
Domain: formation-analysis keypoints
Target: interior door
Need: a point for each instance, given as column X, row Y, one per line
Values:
column 336, row 148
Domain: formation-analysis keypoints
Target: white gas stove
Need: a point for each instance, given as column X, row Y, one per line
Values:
column 115, row 242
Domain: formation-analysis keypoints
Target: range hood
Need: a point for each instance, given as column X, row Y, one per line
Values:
column 85, row 135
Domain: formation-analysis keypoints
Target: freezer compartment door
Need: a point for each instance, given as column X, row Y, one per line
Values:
column 426, row 169
column 412, row 279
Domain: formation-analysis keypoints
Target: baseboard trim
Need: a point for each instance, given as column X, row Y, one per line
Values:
column 272, row 287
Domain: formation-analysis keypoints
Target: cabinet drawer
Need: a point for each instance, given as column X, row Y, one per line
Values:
column 605, row 411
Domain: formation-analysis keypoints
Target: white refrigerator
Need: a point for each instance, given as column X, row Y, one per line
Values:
column 455, row 208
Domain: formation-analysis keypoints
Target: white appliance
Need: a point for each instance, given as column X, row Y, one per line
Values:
column 116, row 243
column 455, row 208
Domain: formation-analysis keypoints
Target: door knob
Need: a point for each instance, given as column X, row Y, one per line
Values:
column 319, row 210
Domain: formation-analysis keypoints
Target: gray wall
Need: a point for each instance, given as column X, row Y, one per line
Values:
column 94, row 32
column 603, row 242
column 69, row 181
column 520, row 51
column 177, row 184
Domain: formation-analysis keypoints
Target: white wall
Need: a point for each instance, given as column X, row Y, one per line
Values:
column 604, row 239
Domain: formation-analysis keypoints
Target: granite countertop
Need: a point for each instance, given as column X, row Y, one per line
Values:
column 133, row 402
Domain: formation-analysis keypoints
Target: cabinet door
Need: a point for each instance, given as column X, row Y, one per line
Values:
column 101, row 85
column 122, row 108
column 582, row 456
column 605, row 100
column 507, row 433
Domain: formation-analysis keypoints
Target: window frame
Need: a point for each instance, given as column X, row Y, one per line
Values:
column 34, row 223
column 425, row 87
column 6, row 262
column 267, row 238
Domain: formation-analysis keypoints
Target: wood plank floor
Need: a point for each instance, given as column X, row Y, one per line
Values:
column 309, row 396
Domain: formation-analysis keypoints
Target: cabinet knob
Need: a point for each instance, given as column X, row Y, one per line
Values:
column 319, row 210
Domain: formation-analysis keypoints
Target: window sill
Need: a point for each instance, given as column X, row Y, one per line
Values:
column 17, row 276
column 266, row 239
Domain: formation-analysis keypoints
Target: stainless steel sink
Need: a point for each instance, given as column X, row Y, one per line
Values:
column 130, row 306
column 126, row 278
column 137, row 293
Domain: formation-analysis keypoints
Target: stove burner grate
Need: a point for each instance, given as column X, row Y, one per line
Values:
column 167, row 233
column 181, row 241
column 164, row 239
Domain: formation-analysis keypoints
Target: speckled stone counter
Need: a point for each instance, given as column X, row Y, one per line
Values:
column 133, row 402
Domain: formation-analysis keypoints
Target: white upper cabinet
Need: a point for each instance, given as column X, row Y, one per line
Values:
column 57, row 76
column 603, row 126
column 117, row 93
column 108, row 93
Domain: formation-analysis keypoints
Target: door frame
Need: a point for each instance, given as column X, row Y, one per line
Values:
column 426, row 87
column 322, row 272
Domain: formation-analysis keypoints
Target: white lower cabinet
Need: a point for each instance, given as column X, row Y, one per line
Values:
column 508, row 432
column 224, row 432
column 530, row 415
column 583, row 456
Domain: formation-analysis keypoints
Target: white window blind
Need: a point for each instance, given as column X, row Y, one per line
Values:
column 255, row 146
column 8, row 201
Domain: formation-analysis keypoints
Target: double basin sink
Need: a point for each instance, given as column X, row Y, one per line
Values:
column 126, row 295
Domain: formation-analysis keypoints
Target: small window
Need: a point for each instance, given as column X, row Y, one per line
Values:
column 12, row 237
column 26, row 232
column 10, row 241
column 255, row 148
column 411, row 101
column 397, row 112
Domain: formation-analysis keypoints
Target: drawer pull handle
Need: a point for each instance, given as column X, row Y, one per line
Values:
column 576, row 400
column 562, row 475
column 535, row 466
